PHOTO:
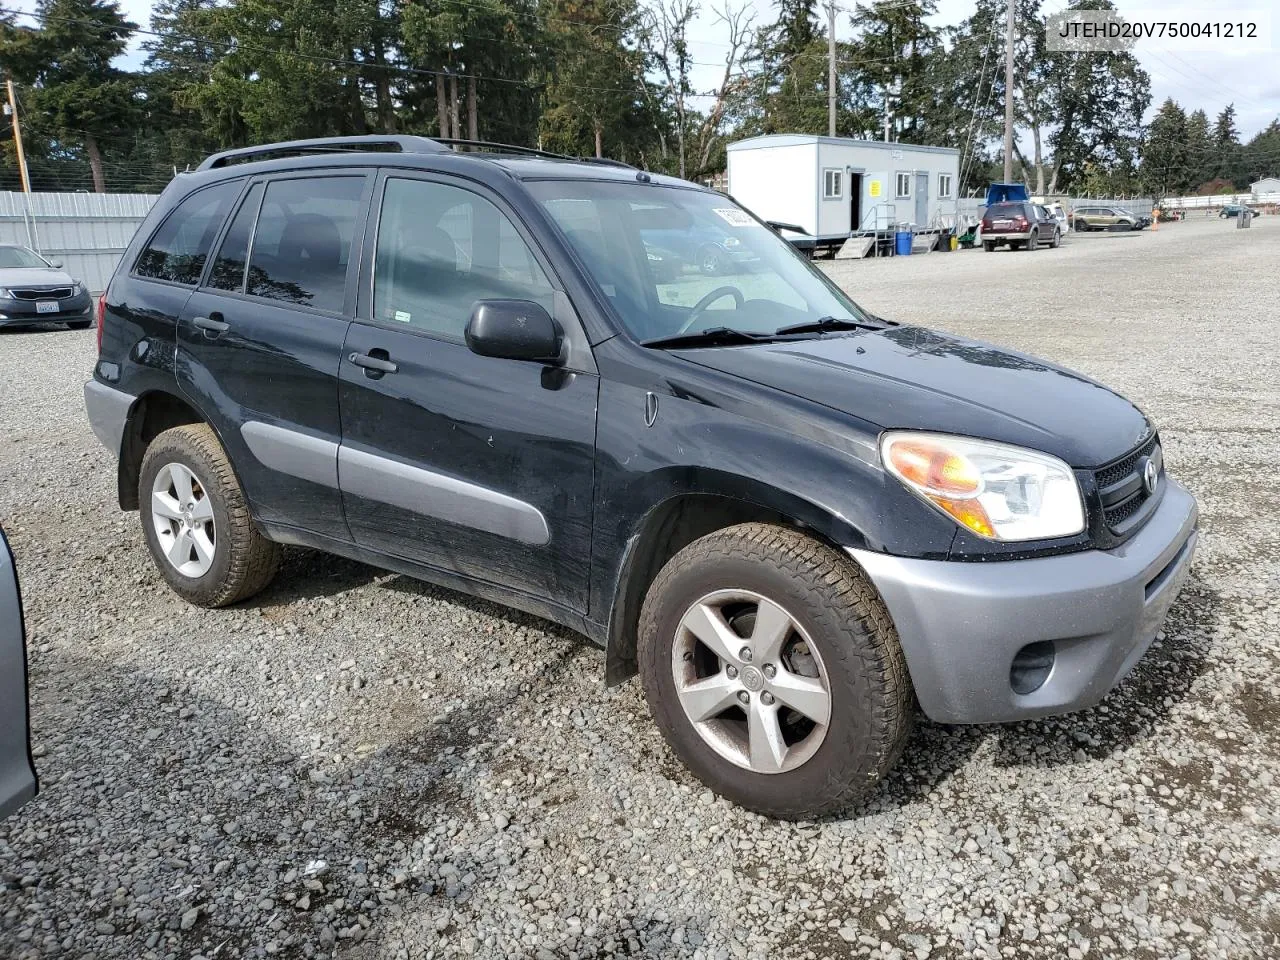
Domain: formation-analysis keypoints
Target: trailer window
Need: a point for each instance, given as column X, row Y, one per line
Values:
column 832, row 184
column 904, row 186
column 944, row 185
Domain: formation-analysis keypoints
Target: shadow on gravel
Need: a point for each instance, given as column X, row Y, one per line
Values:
column 1139, row 707
column 156, row 803
column 311, row 574
column 1133, row 712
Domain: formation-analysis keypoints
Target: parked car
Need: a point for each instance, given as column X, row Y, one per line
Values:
column 33, row 289
column 710, row 248
column 1232, row 210
column 1059, row 213
column 17, row 771
column 795, row 520
column 1106, row 218
column 1020, row 225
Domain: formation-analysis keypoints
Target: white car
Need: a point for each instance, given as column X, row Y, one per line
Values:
column 1060, row 214
column 17, row 775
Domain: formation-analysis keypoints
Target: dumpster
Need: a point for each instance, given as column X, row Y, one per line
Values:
column 902, row 240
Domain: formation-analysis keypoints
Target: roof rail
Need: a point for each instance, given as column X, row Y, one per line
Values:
column 388, row 143
column 528, row 151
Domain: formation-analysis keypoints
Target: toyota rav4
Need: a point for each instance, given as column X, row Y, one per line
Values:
column 794, row 519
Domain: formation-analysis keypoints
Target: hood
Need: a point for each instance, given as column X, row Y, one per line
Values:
column 34, row 277
column 917, row 379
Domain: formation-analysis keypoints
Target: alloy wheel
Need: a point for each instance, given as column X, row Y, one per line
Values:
column 182, row 516
column 751, row 681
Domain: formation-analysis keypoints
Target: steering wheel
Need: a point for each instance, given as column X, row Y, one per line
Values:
column 700, row 307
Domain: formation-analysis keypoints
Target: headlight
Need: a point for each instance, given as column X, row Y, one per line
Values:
column 998, row 491
column 77, row 288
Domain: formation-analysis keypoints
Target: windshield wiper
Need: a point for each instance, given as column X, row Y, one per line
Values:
column 826, row 324
column 711, row 337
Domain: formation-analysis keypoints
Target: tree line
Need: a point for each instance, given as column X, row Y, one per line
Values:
column 610, row 78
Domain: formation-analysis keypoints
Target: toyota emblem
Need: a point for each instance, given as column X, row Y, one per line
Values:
column 1150, row 475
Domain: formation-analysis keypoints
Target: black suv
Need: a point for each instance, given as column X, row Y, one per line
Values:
column 791, row 517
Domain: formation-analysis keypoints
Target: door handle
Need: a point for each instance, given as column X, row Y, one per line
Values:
column 211, row 325
column 373, row 366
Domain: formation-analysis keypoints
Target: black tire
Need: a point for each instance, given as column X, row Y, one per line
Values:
column 1033, row 241
column 1081, row 226
column 79, row 324
column 871, row 700
column 244, row 561
column 1057, row 239
column 989, row 246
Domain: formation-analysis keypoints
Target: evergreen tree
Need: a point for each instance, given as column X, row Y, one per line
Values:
column 1164, row 158
column 1199, row 150
column 75, row 96
column 1226, row 141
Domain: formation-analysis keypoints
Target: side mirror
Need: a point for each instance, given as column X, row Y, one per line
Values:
column 56, row 264
column 514, row 330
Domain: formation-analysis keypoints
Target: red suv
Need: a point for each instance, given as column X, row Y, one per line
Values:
column 1023, row 226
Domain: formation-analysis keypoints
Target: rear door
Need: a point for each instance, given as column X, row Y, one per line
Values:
column 17, row 774
column 473, row 465
column 260, row 341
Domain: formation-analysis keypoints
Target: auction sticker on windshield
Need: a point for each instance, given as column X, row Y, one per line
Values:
column 735, row 218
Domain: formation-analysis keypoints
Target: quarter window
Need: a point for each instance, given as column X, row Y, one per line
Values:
column 904, row 186
column 228, row 267
column 440, row 249
column 302, row 243
column 944, row 185
column 832, row 184
column 178, row 250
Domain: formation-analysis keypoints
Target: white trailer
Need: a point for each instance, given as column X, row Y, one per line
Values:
column 836, row 187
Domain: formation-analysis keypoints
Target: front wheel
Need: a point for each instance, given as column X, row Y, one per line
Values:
column 773, row 670
column 196, row 520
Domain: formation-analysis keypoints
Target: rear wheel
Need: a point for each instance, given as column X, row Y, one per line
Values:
column 1033, row 241
column 773, row 670
column 196, row 520
column 989, row 246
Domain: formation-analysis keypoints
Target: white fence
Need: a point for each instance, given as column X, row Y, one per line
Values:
column 1221, row 200
column 86, row 231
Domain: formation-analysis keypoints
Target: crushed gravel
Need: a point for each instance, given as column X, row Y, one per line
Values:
column 358, row 765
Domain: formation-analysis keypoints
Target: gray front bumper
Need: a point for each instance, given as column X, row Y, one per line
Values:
column 962, row 623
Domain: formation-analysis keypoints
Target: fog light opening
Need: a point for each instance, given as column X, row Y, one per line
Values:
column 1031, row 667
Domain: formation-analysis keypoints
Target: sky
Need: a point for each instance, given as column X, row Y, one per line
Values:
column 1207, row 79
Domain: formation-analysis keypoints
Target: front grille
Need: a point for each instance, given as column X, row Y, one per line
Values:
column 1120, row 486
column 47, row 293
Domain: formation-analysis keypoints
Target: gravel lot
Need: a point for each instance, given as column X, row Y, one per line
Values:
column 358, row 765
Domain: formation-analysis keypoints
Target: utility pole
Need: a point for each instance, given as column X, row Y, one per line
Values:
column 17, row 138
column 28, row 219
column 1008, row 100
column 831, row 69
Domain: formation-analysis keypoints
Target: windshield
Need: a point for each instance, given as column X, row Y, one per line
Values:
column 674, row 261
column 19, row 257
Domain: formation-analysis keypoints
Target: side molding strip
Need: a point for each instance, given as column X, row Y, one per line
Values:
column 297, row 454
column 438, row 495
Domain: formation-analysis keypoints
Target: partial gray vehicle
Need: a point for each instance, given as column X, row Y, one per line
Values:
column 36, row 290
column 17, row 772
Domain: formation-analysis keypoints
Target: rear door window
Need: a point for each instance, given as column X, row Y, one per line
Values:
column 178, row 250
column 228, row 268
column 302, row 243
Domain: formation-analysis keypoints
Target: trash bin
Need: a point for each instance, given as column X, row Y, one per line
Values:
column 902, row 240
column 1244, row 218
